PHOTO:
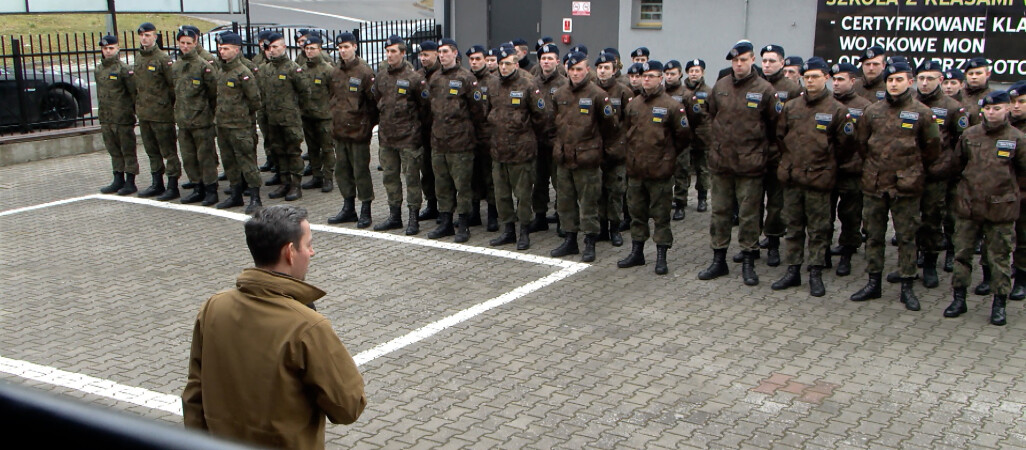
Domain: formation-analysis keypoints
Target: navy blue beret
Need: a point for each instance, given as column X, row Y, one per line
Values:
column 672, row 64
column 581, row 49
column 740, row 48
column 976, row 63
column 930, row 66
column 345, row 37
column 995, row 97
column 774, row 48
column 109, row 39
column 815, row 63
column 793, row 61
column 548, row 48
column 898, row 67
column 954, row 74
column 574, row 58
column 605, row 58
column 651, row 65
column 640, row 51
column 634, row 69
column 430, row 46
column 872, row 52
column 393, row 40
column 146, row 26
column 843, row 68
column 230, row 38
column 475, row 49
column 448, row 41
column 541, row 42
column 693, row 63
column 612, row 51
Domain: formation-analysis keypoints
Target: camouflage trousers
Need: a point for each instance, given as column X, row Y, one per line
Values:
column 352, row 169
column 199, row 155
column 773, row 221
column 120, row 143
column 905, row 215
column 514, row 180
column 482, row 181
column 160, row 142
column 932, row 207
column 806, row 211
column 997, row 239
column 427, row 171
column 577, row 199
column 1019, row 255
column 453, row 176
column 695, row 163
column 747, row 192
column 650, row 199
column 405, row 162
column 320, row 146
column 614, row 184
column 283, row 143
column 848, row 200
column 543, row 175
column 681, row 180
column 238, row 154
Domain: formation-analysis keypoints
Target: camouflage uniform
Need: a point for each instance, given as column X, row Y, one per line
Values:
column 115, row 92
column 1019, row 255
column 154, row 104
column 400, row 99
column 544, row 173
column 354, row 115
column 281, row 89
column 698, row 164
column 457, row 113
column 773, row 221
column 951, row 121
column 317, row 126
column 848, row 188
column 195, row 85
column 483, row 182
column 873, row 90
column 614, row 169
column 238, row 100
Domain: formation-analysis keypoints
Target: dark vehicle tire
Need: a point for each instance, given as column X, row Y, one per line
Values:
column 58, row 109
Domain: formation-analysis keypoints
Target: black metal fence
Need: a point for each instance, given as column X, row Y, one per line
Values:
column 46, row 81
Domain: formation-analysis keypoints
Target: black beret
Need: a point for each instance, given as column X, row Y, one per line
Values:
column 193, row 28
column 430, row 46
column 976, row 63
column 612, row 51
column 605, row 58
column 393, row 40
column 574, row 58
column 146, row 26
column 843, row 68
column 994, row 97
column 895, row 59
column 475, row 49
column 1017, row 89
column 793, row 61
column 448, row 41
column 898, row 67
column 506, row 52
column 230, row 38
column 186, row 32
column 774, row 48
column 548, row 48
column 640, row 51
column 634, row 69
column 313, row 38
column 264, row 34
column 541, row 42
column 954, row 74
column 930, row 66
column 581, row 49
column 301, row 32
column 693, row 63
column 274, row 37
column 815, row 63
column 672, row 64
column 740, row 48
column 109, row 39
column 345, row 37
column 651, row 65
column 515, row 42
column 492, row 52
column 872, row 52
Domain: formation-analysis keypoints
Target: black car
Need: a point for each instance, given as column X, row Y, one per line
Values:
column 53, row 99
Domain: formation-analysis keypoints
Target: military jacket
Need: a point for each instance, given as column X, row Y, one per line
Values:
column 457, row 111
column 485, row 79
column 971, row 101
column 353, row 109
column 238, row 97
column 1020, row 124
column 195, row 91
column 813, row 134
column 657, row 131
column 615, row 143
column 787, row 90
column 699, row 92
column 425, row 112
column 744, row 117
column 584, row 118
column 516, row 114
column 317, row 78
column 154, row 85
column 205, row 55
column 991, row 156
column 115, row 92
column 873, row 90
column 548, row 84
column 401, row 96
column 280, row 90
column 898, row 138
column 951, row 120
column 301, row 59
column 856, row 105
column 536, row 70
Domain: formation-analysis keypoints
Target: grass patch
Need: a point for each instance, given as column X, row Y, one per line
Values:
column 34, row 24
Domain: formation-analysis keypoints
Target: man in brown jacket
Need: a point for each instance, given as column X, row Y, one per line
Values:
column 698, row 162
column 483, row 185
column 987, row 201
column 265, row 368
column 550, row 78
column 899, row 140
column 870, row 85
column 614, row 169
column 1017, row 117
column 977, row 86
column 354, row 114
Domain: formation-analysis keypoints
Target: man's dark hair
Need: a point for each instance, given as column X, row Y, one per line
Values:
column 272, row 228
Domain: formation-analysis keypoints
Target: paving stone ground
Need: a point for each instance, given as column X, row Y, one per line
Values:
column 606, row 358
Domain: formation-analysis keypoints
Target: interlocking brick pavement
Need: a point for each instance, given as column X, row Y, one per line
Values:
column 606, row 358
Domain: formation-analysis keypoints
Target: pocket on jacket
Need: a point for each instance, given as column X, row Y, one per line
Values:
column 909, row 181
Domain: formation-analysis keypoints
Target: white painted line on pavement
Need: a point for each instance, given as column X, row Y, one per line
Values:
column 307, row 11
column 44, row 205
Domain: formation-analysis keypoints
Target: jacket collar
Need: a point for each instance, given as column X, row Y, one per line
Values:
column 975, row 90
column 775, row 77
column 280, row 59
column 901, row 100
column 107, row 62
column 655, row 92
column 814, row 99
column 739, row 81
column 582, row 84
column 606, row 84
column 994, row 127
column 513, row 76
column 874, row 82
column 846, row 96
column 694, row 86
column 670, row 85
column 262, row 283
column 930, row 96
column 402, row 66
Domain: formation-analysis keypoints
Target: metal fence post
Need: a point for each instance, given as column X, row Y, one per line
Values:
column 19, row 83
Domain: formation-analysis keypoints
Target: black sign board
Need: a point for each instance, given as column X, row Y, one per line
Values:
column 949, row 31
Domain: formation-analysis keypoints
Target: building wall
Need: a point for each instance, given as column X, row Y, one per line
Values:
column 597, row 31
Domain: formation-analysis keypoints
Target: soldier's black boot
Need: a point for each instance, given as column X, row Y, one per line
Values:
column 188, row 185
column 635, row 258
column 718, row 268
column 348, row 212
column 588, row 255
column 254, row 201
column 394, row 220
column 508, row 235
column 222, row 177
column 129, row 187
column 267, row 167
column 307, row 171
column 984, row 287
column 365, row 215
column 430, row 210
column 844, row 264
column 997, row 311
column 275, row 180
column 171, row 192
column 603, row 234
column 703, row 205
column 764, row 242
column 678, row 211
column 835, row 250
column 295, row 191
column 568, row 247
column 791, row 278
column 475, row 213
column 313, row 183
column 523, row 242
column 870, row 291
column 444, row 227
column 930, row 279
column 115, row 185
column 957, row 306
column 234, row 199
column 197, row 195
column 210, row 195
column 949, row 260
column 625, row 224
column 539, row 223
column 156, row 186
column 552, row 218
column 1018, row 285
column 413, row 224
column 282, row 189
column 740, row 256
column 908, row 296
column 615, row 237
column 773, row 251
column 816, row 288
column 463, row 229
column 328, row 185
column 660, row 265
column 748, row 269
column 492, row 223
